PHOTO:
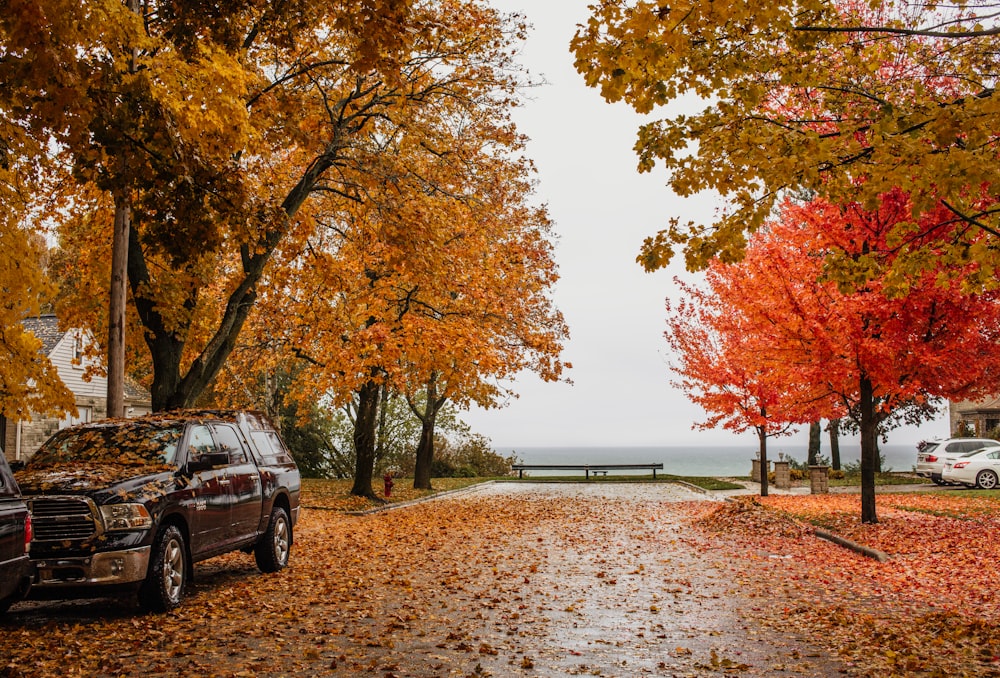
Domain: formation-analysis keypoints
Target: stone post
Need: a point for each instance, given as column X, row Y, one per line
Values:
column 755, row 470
column 819, row 479
column 782, row 477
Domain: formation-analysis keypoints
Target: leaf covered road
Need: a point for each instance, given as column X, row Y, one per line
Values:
column 608, row 580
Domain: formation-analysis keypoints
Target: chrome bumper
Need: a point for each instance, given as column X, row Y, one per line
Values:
column 114, row 567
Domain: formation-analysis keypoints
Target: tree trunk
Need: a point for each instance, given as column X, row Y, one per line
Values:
column 383, row 415
column 364, row 440
column 425, row 455
column 165, row 348
column 425, row 448
column 834, row 428
column 762, row 436
column 812, row 456
column 869, row 451
column 171, row 389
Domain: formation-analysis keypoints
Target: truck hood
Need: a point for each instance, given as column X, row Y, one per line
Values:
column 123, row 480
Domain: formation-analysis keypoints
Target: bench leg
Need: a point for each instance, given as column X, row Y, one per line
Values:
column 654, row 474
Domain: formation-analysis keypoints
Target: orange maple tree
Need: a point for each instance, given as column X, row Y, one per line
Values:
column 436, row 282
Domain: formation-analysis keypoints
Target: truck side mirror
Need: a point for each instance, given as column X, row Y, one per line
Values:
column 203, row 462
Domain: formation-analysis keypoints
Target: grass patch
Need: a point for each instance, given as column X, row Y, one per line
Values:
column 981, row 494
column 706, row 483
column 854, row 479
column 709, row 483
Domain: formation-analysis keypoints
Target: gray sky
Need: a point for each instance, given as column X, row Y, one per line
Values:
column 603, row 209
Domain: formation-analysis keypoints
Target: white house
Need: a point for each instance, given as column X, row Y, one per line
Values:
column 20, row 439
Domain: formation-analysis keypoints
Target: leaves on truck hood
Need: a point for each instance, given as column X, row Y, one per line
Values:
column 76, row 477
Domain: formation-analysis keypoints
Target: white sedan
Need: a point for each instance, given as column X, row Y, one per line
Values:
column 976, row 469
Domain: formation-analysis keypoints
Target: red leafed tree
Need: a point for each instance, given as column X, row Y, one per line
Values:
column 723, row 362
column 868, row 346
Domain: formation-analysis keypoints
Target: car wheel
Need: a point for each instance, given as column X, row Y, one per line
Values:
column 986, row 480
column 272, row 550
column 168, row 572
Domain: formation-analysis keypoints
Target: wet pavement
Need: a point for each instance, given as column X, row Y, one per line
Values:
column 511, row 579
column 626, row 591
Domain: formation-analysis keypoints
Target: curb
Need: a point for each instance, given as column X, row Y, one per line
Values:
column 875, row 554
column 690, row 486
column 420, row 500
column 821, row 533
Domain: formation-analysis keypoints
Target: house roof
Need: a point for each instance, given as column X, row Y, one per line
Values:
column 46, row 328
column 987, row 405
column 134, row 391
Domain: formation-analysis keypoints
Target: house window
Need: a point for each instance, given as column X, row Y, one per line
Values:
column 84, row 415
column 77, row 347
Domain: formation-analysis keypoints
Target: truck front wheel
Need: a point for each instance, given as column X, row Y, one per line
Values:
column 271, row 551
column 168, row 572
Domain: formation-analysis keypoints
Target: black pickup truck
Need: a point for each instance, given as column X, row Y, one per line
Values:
column 15, row 535
column 129, row 505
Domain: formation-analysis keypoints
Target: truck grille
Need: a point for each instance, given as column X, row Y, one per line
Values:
column 60, row 519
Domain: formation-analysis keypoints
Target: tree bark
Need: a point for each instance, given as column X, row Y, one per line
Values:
column 869, row 451
column 834, row 429
column 425, row 455
column 425, row 448
column 171, row 389
column 812, row 456
column 364, row 440
column 762, row 437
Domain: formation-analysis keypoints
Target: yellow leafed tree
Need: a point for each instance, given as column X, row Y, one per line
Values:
column 29, row 382
column 217, row 130
column 842, row 98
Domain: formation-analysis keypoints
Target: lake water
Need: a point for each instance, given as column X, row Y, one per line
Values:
column 691, row 461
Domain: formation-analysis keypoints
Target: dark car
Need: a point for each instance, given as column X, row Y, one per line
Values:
column 129, row 505
column 15, row 536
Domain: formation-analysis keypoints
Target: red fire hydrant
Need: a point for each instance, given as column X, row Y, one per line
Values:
column 387, row 479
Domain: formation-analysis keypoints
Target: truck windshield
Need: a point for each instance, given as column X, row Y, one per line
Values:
column 130, row 443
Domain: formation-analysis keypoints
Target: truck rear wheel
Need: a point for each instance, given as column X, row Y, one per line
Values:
column 168, row 572
column 271, row 551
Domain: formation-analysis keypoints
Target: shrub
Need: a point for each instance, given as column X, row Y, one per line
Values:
column 470, row 457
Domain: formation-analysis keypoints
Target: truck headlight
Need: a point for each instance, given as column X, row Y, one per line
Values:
column 118, row 517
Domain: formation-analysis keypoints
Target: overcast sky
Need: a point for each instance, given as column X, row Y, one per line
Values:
column 603, row 209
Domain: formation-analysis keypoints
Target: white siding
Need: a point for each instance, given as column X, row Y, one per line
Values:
column 72, row 375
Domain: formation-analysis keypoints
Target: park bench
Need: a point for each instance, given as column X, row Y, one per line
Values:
column 586, row 468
